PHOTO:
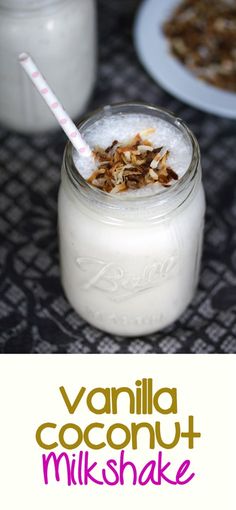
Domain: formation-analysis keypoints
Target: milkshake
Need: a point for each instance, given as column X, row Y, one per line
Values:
column 61, row 37
column 130, row 259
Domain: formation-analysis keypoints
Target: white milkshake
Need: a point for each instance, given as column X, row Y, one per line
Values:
column 130, row 261
column 61, row 37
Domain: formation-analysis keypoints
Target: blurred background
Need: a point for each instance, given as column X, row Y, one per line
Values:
column 35, row 317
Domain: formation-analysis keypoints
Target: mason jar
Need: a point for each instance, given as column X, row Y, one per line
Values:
column 130, row 263
column 60, row 35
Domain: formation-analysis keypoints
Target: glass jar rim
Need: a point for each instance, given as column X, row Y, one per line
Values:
column 115, row 201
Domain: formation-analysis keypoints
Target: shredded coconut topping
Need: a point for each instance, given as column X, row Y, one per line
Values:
column 131, row 166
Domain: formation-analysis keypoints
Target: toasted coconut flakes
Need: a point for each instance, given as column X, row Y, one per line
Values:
column 163, row 179
column 202, row 36
column 128, row 166
column 153, row 174
column 139, row 162
column 99, row 183
column 131, row 166
column 163, row 152
column 172, row 174
column 127, row 155
column 148, row 131
column 119, row 187
column 154, row 164
column 95, row 174
column 162, row 163
column 145, row 148
column 112, row 146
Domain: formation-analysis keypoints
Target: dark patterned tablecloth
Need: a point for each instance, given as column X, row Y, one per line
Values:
column 34, row 314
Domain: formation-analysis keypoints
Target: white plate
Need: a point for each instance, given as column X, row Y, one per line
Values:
column 153, row 49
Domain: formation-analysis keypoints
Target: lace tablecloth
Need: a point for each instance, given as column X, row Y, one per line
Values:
column 35, row 317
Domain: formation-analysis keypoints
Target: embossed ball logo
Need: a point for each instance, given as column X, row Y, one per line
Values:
column 112, row 278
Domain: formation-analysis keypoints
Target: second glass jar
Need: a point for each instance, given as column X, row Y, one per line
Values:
column 61, row 36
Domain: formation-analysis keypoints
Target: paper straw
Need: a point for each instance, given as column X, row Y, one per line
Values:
column 54, row 104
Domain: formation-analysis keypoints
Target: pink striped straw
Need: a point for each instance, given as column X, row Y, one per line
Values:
column 55, row 106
